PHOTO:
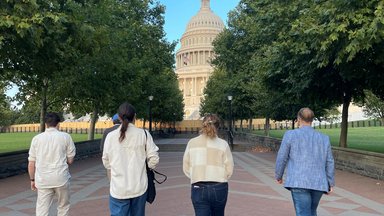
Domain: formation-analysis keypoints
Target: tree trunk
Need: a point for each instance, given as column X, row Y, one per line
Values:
column 293, row 124
column 43, row 108
column 267, row 126
column 92, row 124
column 241, row 124
column 250, row 124
column 344, row 121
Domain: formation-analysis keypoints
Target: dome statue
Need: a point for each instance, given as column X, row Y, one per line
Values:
column 194, row 56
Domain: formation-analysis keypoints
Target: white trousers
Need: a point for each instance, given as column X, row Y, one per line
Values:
column 45, row 198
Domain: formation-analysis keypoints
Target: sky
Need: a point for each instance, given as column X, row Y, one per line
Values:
column 177, row 15
column 179, row 12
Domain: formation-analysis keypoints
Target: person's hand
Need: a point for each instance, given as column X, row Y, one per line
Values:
column 330, row 190
column 279, row 181
column 33, row 186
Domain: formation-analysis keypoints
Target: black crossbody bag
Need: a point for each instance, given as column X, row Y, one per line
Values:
column 151, row 190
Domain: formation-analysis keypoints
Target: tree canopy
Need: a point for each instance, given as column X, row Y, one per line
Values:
column 315, row 54
column 88, row 56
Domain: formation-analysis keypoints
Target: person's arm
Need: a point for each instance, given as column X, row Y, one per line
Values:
column 103, row 139
column 70, row 160
column 186, row 162
column 32, row 163
column 71, row 150
column 31, row 172
column 109, row 174
column 282, row 158
column 151, row 151
column 228, row 162
column 330, row 167
column 105, row 157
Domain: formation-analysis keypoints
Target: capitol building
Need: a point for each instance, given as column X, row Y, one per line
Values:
column 193, row 59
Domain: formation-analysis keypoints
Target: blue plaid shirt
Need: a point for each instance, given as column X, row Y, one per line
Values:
column 308, row 157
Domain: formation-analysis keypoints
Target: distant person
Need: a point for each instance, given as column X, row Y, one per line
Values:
column 49, row 156
column 116, row 122
column 208, row 163
column 308, row 157
column 125, row 152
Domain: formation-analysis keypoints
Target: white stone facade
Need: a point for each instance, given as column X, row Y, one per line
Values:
column 194, row 56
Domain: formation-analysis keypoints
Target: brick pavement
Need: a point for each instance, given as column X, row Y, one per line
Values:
column 252, row 191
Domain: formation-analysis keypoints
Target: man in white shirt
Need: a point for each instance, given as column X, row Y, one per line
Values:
column 49, row 156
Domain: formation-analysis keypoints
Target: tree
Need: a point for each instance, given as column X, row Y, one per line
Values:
column 123, row 56
column 339, row 43
column 6, row 112
column 34, row 38
column 246, row 50
column 373, row 106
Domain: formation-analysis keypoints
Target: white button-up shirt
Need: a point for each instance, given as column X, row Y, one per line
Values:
column 50, row 151
column 126, row 160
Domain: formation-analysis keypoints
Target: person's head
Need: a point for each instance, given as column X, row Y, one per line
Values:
column 305, row 116
column 52, row 119
column 211, row 123
column 126, row 115
column 115, row 119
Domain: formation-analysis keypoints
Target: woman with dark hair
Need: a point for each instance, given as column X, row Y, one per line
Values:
column 125, row 151
column 208, row 163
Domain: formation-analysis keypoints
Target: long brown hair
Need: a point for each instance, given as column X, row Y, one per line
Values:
column 126, row 113
column 211, row 123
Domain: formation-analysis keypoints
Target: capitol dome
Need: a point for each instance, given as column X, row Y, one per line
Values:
column 205, row 19
column 193, row 59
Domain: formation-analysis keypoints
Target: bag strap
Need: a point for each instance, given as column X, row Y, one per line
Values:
column 146, row 164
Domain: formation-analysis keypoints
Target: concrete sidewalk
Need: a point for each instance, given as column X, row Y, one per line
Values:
column 253, row 191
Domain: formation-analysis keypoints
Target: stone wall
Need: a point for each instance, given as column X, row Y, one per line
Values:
column 15, row 163
column 362, row 162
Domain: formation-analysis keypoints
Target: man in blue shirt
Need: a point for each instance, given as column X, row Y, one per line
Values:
column 308, row 157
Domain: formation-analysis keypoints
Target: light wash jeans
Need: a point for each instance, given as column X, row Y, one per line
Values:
column 128, row 207
column 210, row 198
column 45, row 199
column 306, row 201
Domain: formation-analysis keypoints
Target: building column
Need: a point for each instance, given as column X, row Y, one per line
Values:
column 185, row 87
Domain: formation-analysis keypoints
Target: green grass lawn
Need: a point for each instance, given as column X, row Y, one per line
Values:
column 363, row 138
column 20, row 141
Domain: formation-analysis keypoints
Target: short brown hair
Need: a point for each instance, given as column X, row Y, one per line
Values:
column 306, row 114
column 211, row 123
column 52, row 119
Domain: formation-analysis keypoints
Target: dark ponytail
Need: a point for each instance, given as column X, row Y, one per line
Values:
column 127, row 114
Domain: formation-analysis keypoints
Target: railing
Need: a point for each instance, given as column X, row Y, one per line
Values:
column 288, row 125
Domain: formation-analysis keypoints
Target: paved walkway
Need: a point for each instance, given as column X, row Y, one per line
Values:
column 252, row 191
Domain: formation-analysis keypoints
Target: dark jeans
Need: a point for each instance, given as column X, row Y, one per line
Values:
column 306, row 201
column 128, row 207
column 209, row 198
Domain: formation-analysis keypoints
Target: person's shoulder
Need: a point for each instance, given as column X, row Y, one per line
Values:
column 290, row 132
column 321, row 134
column 37, row 136
column 64, row 134
column 197, row 139
column 220, row 140
column 110, row 129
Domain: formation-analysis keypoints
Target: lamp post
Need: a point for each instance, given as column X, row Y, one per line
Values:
column 230, row 135
column 150, row 98
column 174, row 123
